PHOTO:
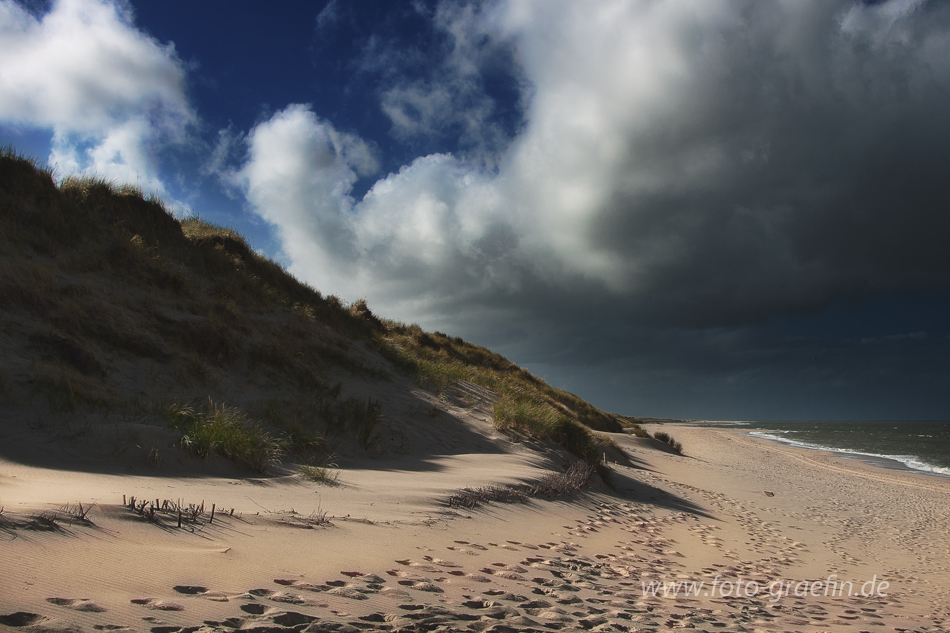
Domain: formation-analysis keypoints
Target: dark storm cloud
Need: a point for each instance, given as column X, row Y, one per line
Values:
column 822, row 177
column 685, row 174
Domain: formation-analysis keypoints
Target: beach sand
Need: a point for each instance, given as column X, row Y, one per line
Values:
column 383, row 551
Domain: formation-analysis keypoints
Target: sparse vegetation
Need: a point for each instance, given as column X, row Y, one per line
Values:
column 575, row 477
column 630, row 425
column 539, row 420
column 160, row 510
column 323, row 473
column 438, row 360
column 78, row 512
column 637, row 430
column 218, row 427
column 665, row 437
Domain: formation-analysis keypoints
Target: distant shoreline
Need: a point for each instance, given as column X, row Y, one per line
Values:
column 891, row 463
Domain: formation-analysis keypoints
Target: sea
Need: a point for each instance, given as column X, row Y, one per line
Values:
column 921, row 446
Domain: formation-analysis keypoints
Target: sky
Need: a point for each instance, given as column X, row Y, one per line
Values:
column 707, row 209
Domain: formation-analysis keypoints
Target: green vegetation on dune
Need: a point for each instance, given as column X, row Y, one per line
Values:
column 110, row 295
column 227, row 430
column 526, row 405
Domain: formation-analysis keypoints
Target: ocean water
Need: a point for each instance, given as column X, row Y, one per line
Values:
column 922, row 446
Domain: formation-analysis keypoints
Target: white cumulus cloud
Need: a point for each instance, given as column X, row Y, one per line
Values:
column 110, row 94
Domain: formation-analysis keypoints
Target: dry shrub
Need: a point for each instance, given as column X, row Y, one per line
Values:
column 575, row 478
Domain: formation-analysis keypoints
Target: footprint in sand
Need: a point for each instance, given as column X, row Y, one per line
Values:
column 441, row 562
column 462, row 550
column 419, row 566
column 260, row 592
column 191, row 590
column 405, row 575
column 508, row 572
column 158, row 605
column 286, row 598
column 292, row 618
column 309, row 586
column 372, row 579
column 553, row 615
column 510, row 597
column 21, row 618
column 348, row 591
column 507, row 567
column 77, row 604
column 474, row 577
column 509, row 575
column 421, row 585
column 480, row 604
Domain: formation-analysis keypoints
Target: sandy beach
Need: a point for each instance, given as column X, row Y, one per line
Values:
column 777, row 536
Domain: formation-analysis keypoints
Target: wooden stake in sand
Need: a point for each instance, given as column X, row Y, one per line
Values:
column 211, row 520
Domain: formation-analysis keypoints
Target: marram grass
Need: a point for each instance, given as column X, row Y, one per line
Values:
column 226, row 430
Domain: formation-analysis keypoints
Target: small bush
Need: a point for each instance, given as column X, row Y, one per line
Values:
column 665, row 437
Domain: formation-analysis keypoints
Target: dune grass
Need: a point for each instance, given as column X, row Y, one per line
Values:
column 227, row 430
column 527, row 404
column 326, row 472
column 665, row 437
column 528, row 415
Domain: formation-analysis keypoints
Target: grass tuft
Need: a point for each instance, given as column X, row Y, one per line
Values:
column 539, row 420
column 665, row 437
column 324, row 473
column 227, row 430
